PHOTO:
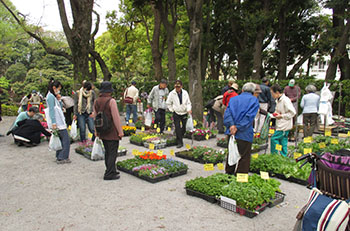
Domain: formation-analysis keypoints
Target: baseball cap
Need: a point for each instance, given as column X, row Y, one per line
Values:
column 178, row 83
column 291, row 83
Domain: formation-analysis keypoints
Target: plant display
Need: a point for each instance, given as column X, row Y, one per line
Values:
column 280, row 165
column 203, row 154
column 128, row 130
column 256, row 146
column 150, row 170
column 151, row 156
column 158, row 139
column 85, row 148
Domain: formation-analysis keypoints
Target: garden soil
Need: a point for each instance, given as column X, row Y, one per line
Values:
column 38, row 194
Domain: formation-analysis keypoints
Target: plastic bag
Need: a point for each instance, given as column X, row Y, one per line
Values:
column 148, row 118
column 233, row 153
column 98, row 152
column 55, row 143
column 74, row 130
column 189, row 124
column 19, row 110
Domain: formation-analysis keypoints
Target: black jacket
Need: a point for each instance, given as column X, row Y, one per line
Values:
column 266, row 97
column 31, row 129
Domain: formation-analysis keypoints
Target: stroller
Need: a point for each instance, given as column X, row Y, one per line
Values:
column 328, row 204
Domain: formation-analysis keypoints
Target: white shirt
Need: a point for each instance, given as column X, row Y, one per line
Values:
column 173, row 102
column 284, row 107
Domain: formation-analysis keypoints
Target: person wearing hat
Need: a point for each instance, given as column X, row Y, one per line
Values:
column 293, row 92
column 230, row 93
column 228, row 86
column 157, row 98
column 180, row 105
column 111, row 138
column 35, row 99
column 131, row 95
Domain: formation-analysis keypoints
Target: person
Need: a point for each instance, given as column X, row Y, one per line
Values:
column 238, row 119
column 309, row 103
column 230, row 93
column 110, row 139
column 180, row 105
column 218, row 110
column 228, row 86
column 283, row 114
column 157, row 98
column 35, row 99
column 83, row 106
column 132, row 93
column 23, row 116
column 267, row 103
column 57, row 121
column 293, row 92
column 68, row 108
column 1, row 92
column 24, row 102
column 29, row 131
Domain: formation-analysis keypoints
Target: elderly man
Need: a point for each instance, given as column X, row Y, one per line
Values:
column 238, row 119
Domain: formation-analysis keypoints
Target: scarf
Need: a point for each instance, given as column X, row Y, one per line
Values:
column 88, row 96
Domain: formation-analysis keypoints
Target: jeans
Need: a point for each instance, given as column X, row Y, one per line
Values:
column 180, row 128
column 281, row 138
column 111, row 150
column 310, row 122
column 244, row 149
column 63, row 154
column 160, row 119
column 84, row 119
column 131, row 108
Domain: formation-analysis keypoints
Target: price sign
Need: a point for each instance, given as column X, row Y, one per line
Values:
column 220, row 166
column 130, row 121
column 328, row 133
column 142, row 129
column 172, row 152
column 205, row 113
column 271, row 131
column 242, row 177
column 348, row 133
column 194, row 123
column 297, row 155
column 159, row 152
column 307, row 150
column 155, row 126
column 334, row 141
column 151, row 146
column 158, row 130
column 264, row 175
column 255, row 156
column 308, row 139
column 278, row 147
column 169, row 129
column 207, row 137
column 271, row 123
column 322, row 145
column 90, row 135
column 208, row 167
column 70, row 128
column 188, row 146
column 135, row 152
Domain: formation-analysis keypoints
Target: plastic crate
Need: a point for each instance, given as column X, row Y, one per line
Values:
column 279, row 198
column 231, row 205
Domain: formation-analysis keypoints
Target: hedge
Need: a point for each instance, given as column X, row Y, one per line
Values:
column 9, row 110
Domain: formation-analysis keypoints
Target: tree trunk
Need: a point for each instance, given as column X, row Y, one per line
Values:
column 309, row 62
column 297, row 66
column 282, row 44
column 156, row 54
column 344, row 65
column 244, row 64
column 194, row 11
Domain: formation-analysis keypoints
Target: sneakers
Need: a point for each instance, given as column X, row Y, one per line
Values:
column 66, row 161
column 179, row 145
column 115, row 177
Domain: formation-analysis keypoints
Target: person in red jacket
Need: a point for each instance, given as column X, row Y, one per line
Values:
column 230, row 93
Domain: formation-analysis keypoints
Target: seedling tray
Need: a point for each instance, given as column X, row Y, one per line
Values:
column 230, row 204
column 178, row 173
column 178, row 154
column 148, row 179
column 279, row 198
column 282, row 177
column 210, row 199
column 136, row 143
column 88, row 156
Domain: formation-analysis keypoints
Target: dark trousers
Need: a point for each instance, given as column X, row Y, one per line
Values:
column 211, row 116
column 180, row 126
column 111, row 150
column 160, row 119
column 244, row 149
column 310, row 122
column 68, row 116
column 220, row 121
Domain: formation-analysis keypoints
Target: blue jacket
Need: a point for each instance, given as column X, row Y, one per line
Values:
column 241, row 112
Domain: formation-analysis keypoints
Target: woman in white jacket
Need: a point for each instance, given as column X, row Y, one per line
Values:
column 179, row 103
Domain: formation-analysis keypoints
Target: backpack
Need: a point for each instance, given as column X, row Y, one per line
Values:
column 102, row 123
column 210, row 103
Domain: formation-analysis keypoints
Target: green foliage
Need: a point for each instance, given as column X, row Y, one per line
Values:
column 16, row 72
column 9, row 110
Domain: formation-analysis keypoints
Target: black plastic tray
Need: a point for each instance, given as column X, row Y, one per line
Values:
column 222, row 145
column 136, row 143
column 178, row 154
column 151, row 180
column 282, row 177
column 279, row 198
column 210, row 199
column 179, row 173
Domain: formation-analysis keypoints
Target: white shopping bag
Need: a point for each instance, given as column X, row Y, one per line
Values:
column 233, row 153
column 189, row 124
column 55, row 143
column 148, row 118
column 98, row 152
column 74, row 130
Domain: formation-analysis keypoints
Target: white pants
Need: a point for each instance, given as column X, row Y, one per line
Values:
column 259, row 118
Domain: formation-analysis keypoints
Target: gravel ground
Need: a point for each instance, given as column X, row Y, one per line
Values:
column 38, row 194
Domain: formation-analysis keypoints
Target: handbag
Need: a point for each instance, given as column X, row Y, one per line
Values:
column 128, row 99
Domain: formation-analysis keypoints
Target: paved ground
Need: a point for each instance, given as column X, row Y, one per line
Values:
column 38, row 194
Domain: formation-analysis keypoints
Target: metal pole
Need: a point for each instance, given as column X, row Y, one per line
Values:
column 339, row 104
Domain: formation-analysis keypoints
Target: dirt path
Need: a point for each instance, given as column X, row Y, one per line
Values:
column 38, row 194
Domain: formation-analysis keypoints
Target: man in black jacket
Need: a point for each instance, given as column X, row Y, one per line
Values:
column 29, row 131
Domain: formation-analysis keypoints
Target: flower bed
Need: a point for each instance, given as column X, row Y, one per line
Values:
column 85, row 149
column 248, row 199
column 159, row 140
column 203, row 155
column 152, row 167
column 128, row 130
column 199, row 134
column 258, row 144
column 281, row 167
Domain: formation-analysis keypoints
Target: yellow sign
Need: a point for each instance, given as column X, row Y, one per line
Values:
column 242, row 177
column 69, row 128
column 208, row 167
column 151, row 146
column 278, row 147
column 130, row 121
column 158, row 130
column 264, row 175
column 169, row 129
column 322, row 145
column 348, row 133
column 334, row 141
column 255, row 156
column 135, row 152
column 142, row 129
column 307, row 150
column 155, row 126
column 205, row 113
column 328, row 133
column 297, row 155
column 188, row 146
column 271, row 131
column 172, row 152
column 207, row 137
column 159, row 152
column 308, row 139
column 220, row 166
column 90, row 135
column 194, row 123
column 271, row 123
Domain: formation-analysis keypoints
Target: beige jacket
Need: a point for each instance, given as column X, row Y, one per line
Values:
column 218, row 105
column 173, row 102
column 133, row 92
column 285, row 107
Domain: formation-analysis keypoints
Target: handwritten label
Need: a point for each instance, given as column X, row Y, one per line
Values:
column 242, row 177
column 297, row 155
column 158, row 130
column 271, row 123
column 255, row 156
column 70, row 128
column 188, row 146
column 322, row 145
column 307, row 150
column 348, row 133
column 135, row 152
column 264, row 175
column 90, row 135
column 334, row 141
column 159, row 152
column 169, row 129
column 208, row 167
column 207, row 137
column 271, row 131
column 328, row 133
column 205, row 113
column 130, row 121
column 155, row 125
column 308, row 139
column 194, row 123
column 278, row 147
column 172, row 152
column 151, row 146
column 220, row 166
column 142, row 129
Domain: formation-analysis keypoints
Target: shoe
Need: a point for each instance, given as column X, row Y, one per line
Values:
column 115, row 177
column 179, row 145
column 9, row 132
column 60, row 161
column 67, row 161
